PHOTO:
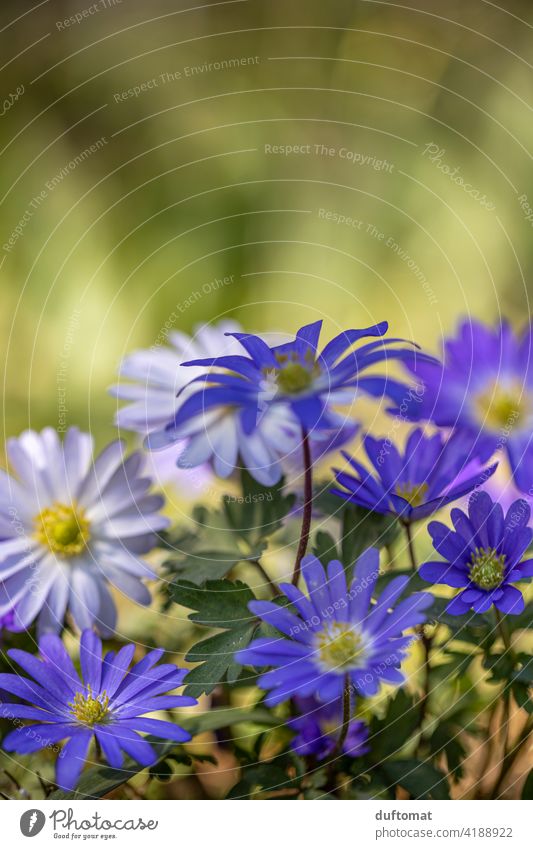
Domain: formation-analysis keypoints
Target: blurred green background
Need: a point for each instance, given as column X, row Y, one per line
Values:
column 186, row 186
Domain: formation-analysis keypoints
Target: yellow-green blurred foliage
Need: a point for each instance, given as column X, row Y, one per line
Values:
column 182, row 190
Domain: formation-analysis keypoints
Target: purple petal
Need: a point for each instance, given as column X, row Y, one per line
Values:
column 72, row 759
column 511, row 601
column 91, row 659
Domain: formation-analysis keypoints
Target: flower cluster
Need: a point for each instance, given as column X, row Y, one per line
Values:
column 74, row 527
column 256, row 403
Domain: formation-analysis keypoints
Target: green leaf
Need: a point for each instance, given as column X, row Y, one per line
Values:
column 260, row 778
column 420, row 779
column 215, row 656
column 99, row 781
column 325, row 547
column 399, row 723
column 501, row 666
column 525, row 673
column 522, row 694
column 200, row 566
column 220, row 604
column 258, row 512
column 445, row 739
column 362, row 529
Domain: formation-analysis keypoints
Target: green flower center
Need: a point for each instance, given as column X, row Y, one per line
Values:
column 63, row 529
column 414, row 494
column 89, row 709
column 293, row 376
column 502, row 406
column 487, row 568
column 340, row 647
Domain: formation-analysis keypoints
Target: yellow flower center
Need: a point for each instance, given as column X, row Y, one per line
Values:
column 487, row 568
column 90, row 709
column 293, row 376
column 63, row 529
column 340, row 647
column 414, row 494
column 502, row 406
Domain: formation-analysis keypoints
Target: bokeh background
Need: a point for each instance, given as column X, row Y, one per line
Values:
column 182, row 189
column 170, row 163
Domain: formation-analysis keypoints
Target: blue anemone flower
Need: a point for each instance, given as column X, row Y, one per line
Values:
column 432, row 472
column 295, row 375
column 106, row 702
column 485, row 388
column 319, row 727
column 482, row 555
column 336, row 637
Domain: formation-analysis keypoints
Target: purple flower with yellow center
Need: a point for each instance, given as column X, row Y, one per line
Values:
column 485, row 388
column 295, row 374
column 431, row 472
column 336, row 638
column 71, row 527
column 106, row 703
column 483, row 555
column 319, row 729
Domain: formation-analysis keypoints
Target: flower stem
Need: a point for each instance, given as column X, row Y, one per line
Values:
column 504, row 633
column 308, row 507
column 425, row 640
column 410, row 545
column 346, row 714
column 346, row 717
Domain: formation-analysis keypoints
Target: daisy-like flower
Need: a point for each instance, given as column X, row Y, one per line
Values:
column 151, row 379
column 336, row 638
column 485, row 388
column 107, row 703
column 154, row 382
column 71, row 527
column 294, row 374
column 319, row 727
column 483, row 555
column 431, row 472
